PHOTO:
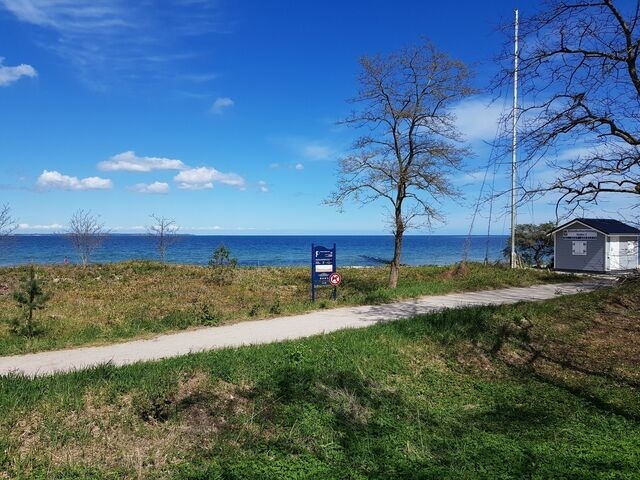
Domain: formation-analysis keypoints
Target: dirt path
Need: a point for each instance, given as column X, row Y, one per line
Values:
column 268, row 331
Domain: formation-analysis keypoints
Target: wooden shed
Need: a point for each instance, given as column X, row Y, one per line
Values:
column 595, row 245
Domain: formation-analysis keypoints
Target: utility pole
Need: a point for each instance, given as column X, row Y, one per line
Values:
column 514, row 259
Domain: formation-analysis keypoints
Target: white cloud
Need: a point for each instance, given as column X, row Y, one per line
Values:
column 54, row 180
column 108, row 40
column 263, row 186
column 8, row 75
column 155, row 187
column 204, row 177
column 478, row 119
column 128, row 161
column 316, row 151
column 221, row 104
column 468, row 178
column 581, row 152
column 295, row 166
column 135, row 228
column 53, row 226
column 204, row 229
column 65, row 15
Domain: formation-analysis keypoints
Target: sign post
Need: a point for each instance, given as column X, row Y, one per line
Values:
column 323, row 269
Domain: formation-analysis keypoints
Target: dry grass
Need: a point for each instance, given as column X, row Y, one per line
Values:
column 121, row 435
column 103, row 303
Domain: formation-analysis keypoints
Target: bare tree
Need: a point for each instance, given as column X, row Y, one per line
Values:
column 164, row 232
column 85, row 233
column 8, row 224
column 410, row 143
column 581, row 90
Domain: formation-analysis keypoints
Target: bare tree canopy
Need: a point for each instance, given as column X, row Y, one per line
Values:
column 7, row 223
column 410, row 144
column 164, row 233
column 85, row 233
column 581, row 96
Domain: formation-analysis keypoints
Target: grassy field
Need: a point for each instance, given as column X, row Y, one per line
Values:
column 546, row 390
column 105, row 303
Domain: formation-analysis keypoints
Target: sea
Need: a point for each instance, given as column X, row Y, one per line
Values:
column 257, row 250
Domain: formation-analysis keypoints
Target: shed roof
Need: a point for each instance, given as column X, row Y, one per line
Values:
column 603, row 225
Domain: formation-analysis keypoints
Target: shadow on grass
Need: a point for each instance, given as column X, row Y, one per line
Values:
column 495, row 337
column 446, row 326
column 345, row 409
column 584, row 393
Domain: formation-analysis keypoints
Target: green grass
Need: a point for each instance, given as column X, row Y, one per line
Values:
column 107, row 303
column 545, row 390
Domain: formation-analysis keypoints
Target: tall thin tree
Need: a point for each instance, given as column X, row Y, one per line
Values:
column 410, row 146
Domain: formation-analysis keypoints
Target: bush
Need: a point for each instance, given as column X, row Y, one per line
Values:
column 222, row 265
column 30, row 297
column 534, row 245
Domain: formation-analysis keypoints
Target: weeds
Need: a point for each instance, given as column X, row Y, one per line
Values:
column 106, row 303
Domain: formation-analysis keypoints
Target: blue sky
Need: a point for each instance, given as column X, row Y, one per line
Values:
column 219, row 114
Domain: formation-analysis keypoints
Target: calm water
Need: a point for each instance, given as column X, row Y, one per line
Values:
column 256, row 250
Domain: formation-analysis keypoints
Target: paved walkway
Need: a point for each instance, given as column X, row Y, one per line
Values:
column 268, row 331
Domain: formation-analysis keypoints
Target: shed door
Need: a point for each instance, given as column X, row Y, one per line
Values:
column 629, row 254
column 614, row 253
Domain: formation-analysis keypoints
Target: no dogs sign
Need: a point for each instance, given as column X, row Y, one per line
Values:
column 323, row 269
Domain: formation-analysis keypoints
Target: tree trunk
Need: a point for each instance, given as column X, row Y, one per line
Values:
column 397, row 246
column 395, row 262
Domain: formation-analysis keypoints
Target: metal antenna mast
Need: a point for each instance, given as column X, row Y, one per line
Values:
column 513, row 147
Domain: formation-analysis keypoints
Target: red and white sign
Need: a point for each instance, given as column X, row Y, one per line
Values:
column 335, row 279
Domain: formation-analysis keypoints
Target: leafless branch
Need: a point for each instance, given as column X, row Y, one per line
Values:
column 581, row 90
column 86, row 233
column 8, row 225
column 164, row 233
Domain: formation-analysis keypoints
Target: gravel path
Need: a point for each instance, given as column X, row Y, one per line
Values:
column 268, row 331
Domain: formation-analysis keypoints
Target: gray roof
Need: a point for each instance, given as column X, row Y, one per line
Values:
column 604, row 225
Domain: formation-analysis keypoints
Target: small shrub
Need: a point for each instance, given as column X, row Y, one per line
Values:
column 207, row 315
column 275, row 308
column 31, row 297
column 222, row 265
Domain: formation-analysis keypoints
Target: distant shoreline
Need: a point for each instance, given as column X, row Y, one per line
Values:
column 310, row 235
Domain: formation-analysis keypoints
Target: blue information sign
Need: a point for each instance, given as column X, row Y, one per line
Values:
column 323, row 264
